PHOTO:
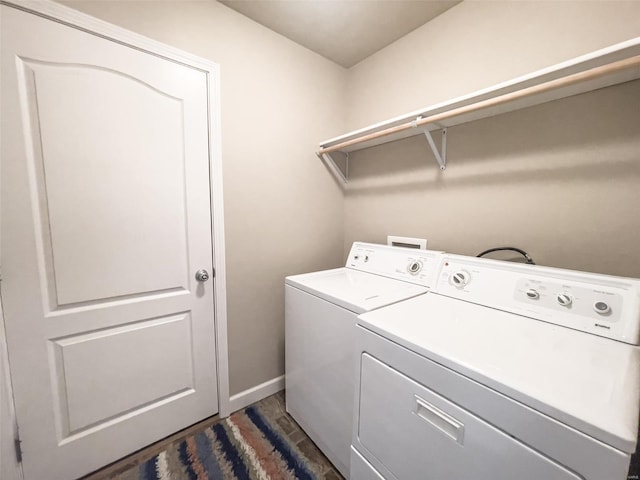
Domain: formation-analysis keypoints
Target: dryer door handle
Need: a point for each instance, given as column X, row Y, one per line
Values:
column 440, row 420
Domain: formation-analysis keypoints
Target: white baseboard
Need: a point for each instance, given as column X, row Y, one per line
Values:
column 253, row 394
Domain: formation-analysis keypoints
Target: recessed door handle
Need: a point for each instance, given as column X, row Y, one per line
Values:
column 440, row 420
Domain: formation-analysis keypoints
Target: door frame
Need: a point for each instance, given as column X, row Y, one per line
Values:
column 10, row 468
column 75, row 19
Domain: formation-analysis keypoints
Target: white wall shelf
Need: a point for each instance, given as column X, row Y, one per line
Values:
column 610, row 66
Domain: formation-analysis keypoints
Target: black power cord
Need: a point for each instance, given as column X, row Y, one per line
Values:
column 512, row 249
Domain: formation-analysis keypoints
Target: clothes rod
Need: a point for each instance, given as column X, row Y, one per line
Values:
column 590, row 74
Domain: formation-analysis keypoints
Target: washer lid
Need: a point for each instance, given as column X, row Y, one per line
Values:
column 587, row 382
column 356, row 291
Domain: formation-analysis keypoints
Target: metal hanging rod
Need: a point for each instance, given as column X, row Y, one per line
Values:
column 572, row 79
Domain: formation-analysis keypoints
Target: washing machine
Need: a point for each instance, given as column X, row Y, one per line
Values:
column 320, row 319
column 503, row 371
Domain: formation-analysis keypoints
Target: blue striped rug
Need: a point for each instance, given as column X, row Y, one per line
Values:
column 244, row 446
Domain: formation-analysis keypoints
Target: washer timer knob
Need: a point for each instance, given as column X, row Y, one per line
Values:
column 564, row 299
column 414, row 267
column 460, row 279
column 601, row 307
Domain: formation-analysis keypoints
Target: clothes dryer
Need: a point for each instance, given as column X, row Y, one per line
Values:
column 503, row 371
column 320, row 312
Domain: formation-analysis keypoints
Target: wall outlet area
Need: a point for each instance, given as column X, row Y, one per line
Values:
column 407, row 242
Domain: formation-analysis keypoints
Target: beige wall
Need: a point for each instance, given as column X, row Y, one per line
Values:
column 559, row 180
column 477, row 44
column 283, row 211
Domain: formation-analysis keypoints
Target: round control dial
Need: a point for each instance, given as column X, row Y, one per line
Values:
column 564, row 299
column 414, row 267
column 533, row 294
column 602, row 307
column 460, row 279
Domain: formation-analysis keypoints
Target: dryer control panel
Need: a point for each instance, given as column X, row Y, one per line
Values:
column 599, row 304
column 407, row 264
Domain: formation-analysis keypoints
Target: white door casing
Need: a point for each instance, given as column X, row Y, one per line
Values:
column 10, row 468
column 110, row 179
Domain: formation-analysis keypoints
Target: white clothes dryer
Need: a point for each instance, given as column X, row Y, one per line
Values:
column 503, row 371
column 320, row 312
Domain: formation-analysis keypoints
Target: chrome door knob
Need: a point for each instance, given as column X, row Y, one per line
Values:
column 202, row 275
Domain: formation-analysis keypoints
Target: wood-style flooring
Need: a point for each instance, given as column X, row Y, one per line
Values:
column 273, row 407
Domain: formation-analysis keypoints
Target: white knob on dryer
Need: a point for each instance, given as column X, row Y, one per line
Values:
column 532, row 293
column 460, row 279
column 564, row 299
column 603, row 308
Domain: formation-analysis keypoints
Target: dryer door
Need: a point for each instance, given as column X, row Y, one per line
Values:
column 415, row 433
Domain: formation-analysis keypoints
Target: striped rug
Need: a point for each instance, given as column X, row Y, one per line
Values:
column 244, row 446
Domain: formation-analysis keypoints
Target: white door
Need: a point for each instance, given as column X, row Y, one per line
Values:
column 105, row 220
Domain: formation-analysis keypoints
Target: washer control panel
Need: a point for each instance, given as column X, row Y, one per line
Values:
column 598, row 304
column 408, row 264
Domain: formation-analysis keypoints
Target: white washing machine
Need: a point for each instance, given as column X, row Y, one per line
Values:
column 320, row 311
column 502, row 372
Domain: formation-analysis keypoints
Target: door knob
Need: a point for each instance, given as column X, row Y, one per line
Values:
column 202, row 275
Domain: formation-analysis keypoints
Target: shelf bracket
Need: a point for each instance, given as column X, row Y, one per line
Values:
column 441, row 156
column 328, row 158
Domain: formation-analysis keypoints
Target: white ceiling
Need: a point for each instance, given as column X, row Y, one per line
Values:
column 344, row 31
